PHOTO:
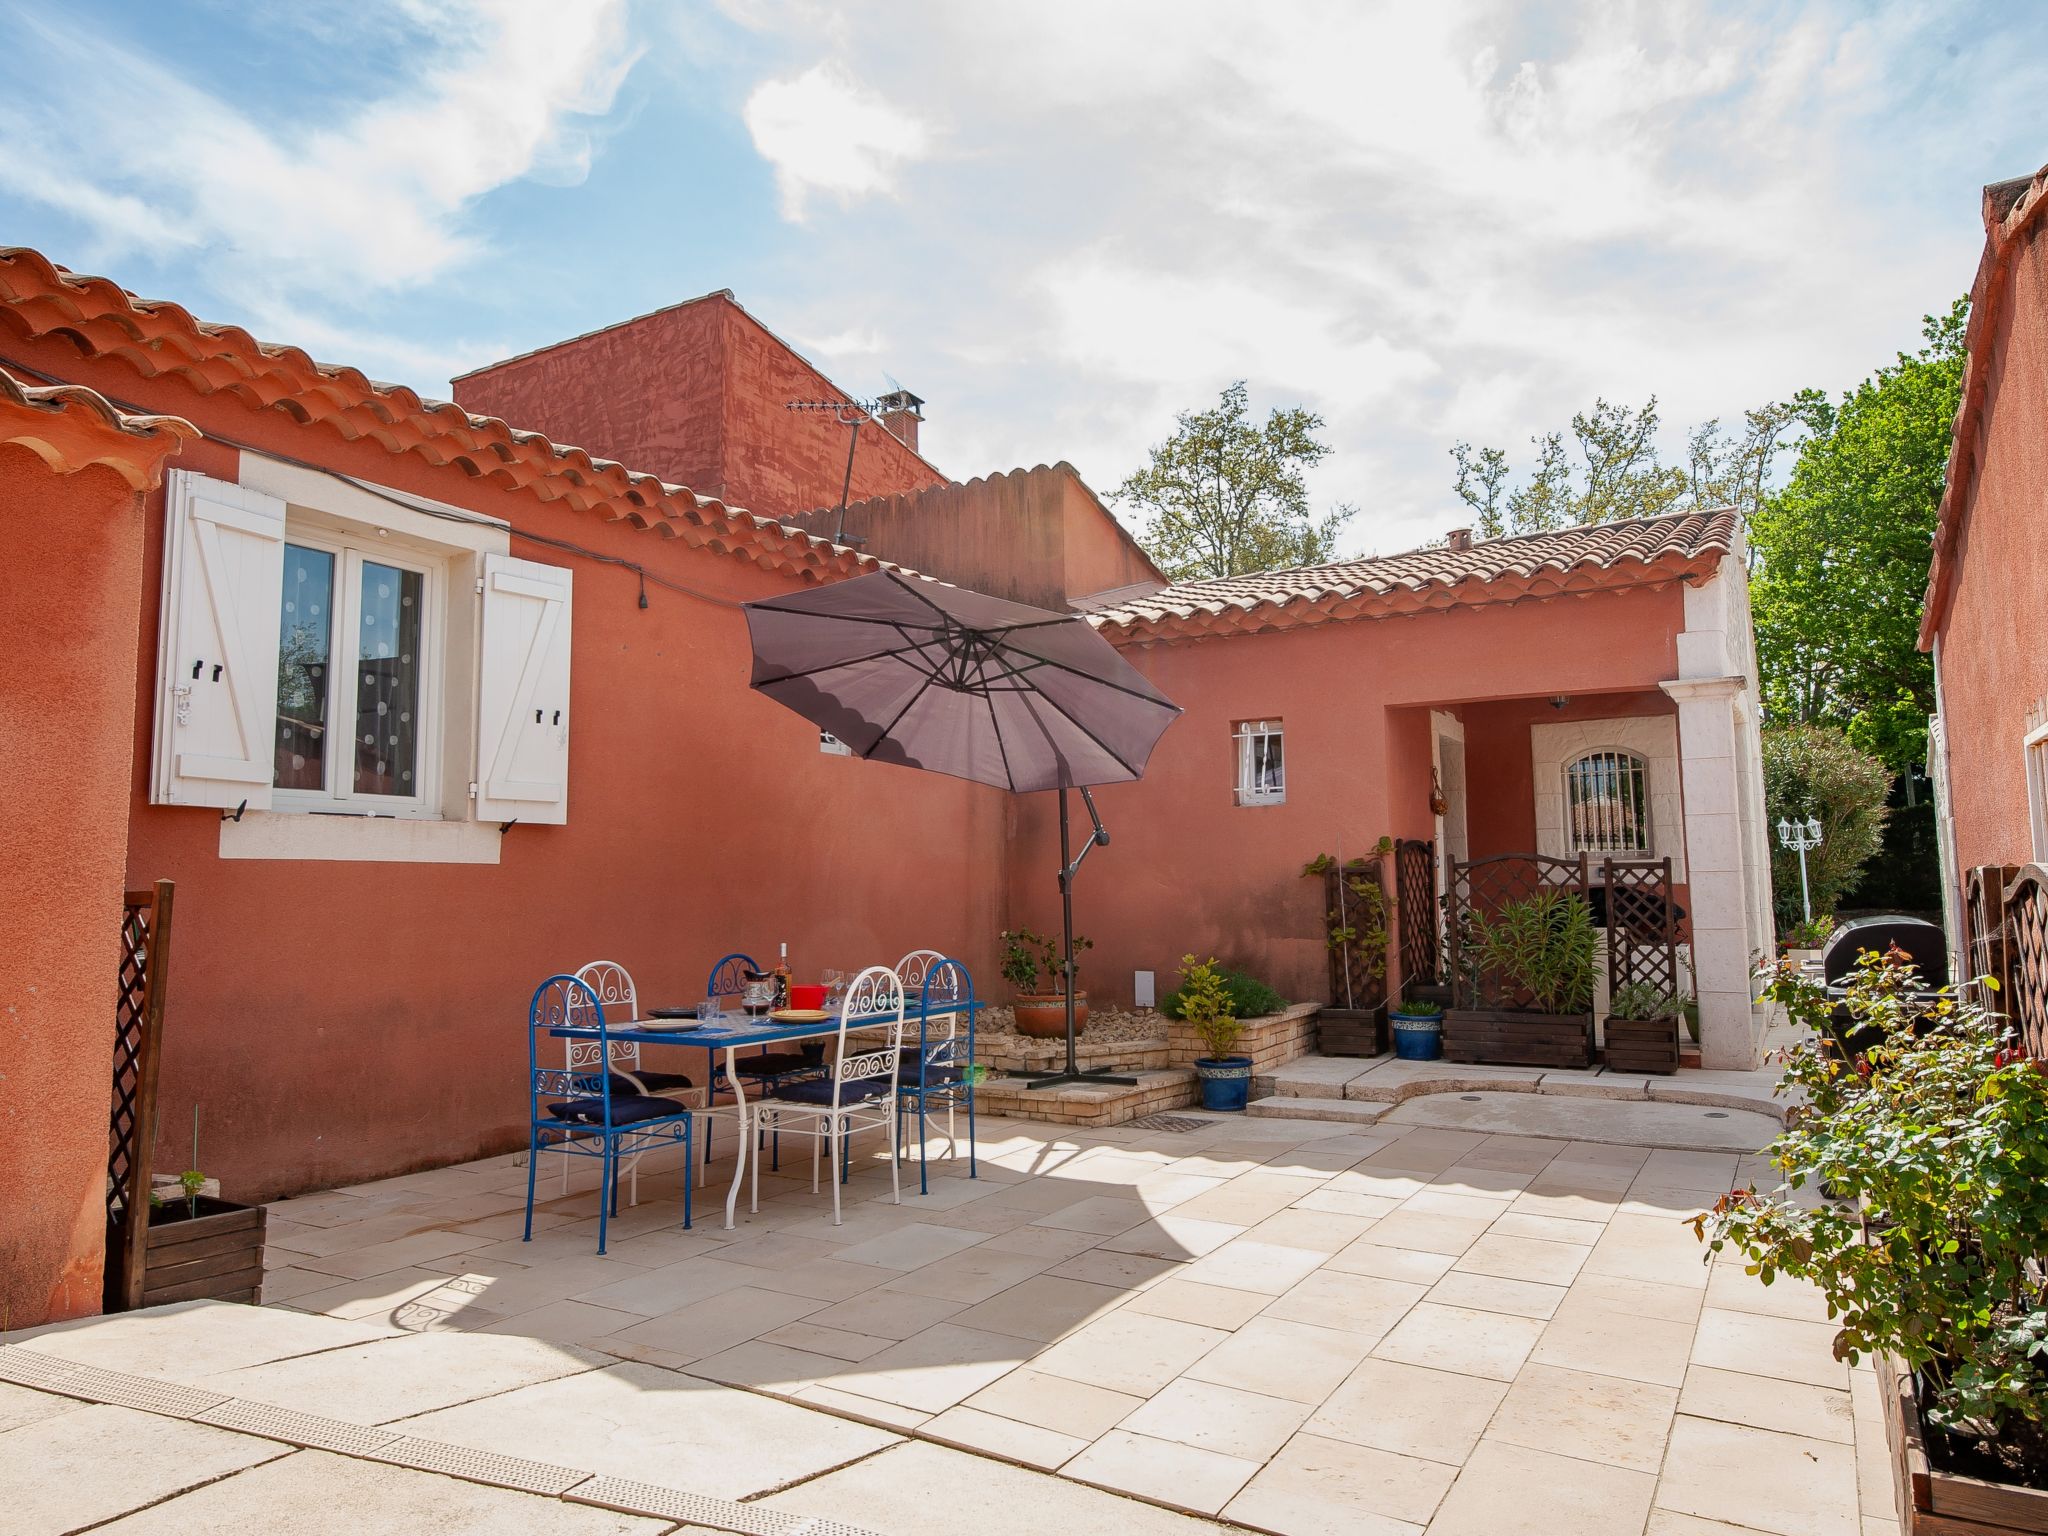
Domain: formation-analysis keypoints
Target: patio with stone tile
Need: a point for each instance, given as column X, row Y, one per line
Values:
column 1296, row 1327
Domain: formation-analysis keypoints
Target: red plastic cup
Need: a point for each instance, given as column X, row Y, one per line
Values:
column 806, row 997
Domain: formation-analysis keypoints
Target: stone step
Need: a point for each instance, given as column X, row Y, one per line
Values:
column 1280, row 1106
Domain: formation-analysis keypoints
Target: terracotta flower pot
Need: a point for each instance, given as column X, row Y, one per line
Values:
column 1043, row 1015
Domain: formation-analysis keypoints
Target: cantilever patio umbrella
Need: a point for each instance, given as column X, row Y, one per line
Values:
column 930, row 676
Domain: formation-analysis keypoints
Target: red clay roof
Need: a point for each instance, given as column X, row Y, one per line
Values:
column 71, row 427
column 38, row 298
column 2010, row 207
column 1603, row 556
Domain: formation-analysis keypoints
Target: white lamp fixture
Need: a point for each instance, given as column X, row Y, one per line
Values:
column 1800, row 837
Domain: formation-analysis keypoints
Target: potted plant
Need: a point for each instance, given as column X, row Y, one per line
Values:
column 1537, row 955
column 1418, row 1029
column 1357, row 918
column 1205, row 1003
column 200, row 1247
column 1642, row 1028
column 1803, row 942
column 1932, row 1148
column 1042, row 1014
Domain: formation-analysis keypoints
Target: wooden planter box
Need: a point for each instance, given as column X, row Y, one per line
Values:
column 1935, row 1503
column 1513, row 1038
column 216, row 1255
column 1353, row 1032
column 1643, row 1045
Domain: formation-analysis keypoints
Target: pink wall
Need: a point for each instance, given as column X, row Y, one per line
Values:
column 697, row 394
column 70, row 575
column 1993, row 650
column 1189, row 870
column 342, row 1021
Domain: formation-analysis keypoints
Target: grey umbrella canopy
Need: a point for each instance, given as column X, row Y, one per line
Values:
column 930, row 676
column 952, row 681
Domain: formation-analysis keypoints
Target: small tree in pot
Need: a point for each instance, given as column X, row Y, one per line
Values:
column 1538, row 948
column 1205, row 1003
column 1042, row 1014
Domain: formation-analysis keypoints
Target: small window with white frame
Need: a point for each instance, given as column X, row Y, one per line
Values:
column 2037, row 789
column 1607, row 803
column 1261, row 763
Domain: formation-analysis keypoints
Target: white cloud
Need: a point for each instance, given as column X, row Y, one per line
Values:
column 824, row 133
column 372, row 197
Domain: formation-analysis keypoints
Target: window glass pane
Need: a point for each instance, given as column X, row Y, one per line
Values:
column 1607, row 804
column 388, row 682
column 304, row 633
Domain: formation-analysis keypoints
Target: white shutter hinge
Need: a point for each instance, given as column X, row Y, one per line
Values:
column 472, row 789
column 479, row 586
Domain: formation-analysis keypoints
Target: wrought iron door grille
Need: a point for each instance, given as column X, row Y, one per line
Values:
column 1607, row 804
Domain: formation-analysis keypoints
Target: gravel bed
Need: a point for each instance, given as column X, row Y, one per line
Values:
column 1105, row 1025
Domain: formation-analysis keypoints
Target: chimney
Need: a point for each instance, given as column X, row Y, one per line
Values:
column 1461, row 540
column 899, row 411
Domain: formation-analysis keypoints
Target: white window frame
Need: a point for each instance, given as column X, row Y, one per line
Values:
column 1244, row 735
column 1639, row 764
column 344, row 661
column 2035, row 746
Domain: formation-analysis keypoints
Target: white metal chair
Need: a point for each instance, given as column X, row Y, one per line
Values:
column 855, row 1092
column 613, row 986
column 935, row 1031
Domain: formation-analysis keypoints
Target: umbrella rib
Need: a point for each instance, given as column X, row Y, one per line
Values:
column 852, row 661
column 989, row 703
column 923, row 689
column 1149, row 698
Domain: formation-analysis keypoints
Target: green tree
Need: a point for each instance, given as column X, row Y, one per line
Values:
column 1841, row 553
column 1815, row 770
column 1616, row 471
column 1225, row 496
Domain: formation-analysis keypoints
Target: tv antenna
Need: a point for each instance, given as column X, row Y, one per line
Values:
column 849, row 414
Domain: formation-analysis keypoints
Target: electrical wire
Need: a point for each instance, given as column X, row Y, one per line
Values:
column 427, row 508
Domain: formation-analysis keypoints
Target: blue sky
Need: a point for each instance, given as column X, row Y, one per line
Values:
column 1058, row 222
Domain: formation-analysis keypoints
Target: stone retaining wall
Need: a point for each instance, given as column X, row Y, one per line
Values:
column 1271, row 1041
column 1156, row 1092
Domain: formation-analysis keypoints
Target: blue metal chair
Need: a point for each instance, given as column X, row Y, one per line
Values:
column 585, row 1113
column 941, row 1075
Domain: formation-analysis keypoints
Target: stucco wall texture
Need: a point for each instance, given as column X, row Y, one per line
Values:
column 1994, row 666
column 70, row 581
column 1190, row 871
column 699, row 395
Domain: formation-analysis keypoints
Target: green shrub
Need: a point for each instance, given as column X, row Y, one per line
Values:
column 1205, row 1003
column 1542, row 944
column 1250, row 998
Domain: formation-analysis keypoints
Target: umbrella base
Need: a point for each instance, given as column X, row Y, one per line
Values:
column 1097, row 1076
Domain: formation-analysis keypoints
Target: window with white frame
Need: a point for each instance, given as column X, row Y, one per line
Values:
column 1261, row 763
column 2037, row 789
column 312, row 660
column 1607, row 803
column 357, row 656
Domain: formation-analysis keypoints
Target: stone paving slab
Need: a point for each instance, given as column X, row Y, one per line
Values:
column 1617, row 1121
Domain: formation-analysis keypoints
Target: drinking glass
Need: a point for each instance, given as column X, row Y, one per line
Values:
column 835, row 989
column 709, row 1010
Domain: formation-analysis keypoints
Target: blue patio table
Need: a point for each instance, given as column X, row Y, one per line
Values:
column 733, row 1034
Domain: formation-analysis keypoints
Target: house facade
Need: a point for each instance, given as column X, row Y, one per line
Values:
column 418, row 705
column 1988, row 749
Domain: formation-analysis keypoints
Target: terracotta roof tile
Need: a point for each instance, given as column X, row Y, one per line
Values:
column 39, row 298
column 1494, row 570
column 70, row 427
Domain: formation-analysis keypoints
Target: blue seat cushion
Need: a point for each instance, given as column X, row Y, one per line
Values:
column 936, row 1075
column 818, row 1090
column 627, row 1109
column 657, row 1082
column 771, row 1064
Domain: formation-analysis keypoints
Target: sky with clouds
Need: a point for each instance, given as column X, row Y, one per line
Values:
column 1061, row 222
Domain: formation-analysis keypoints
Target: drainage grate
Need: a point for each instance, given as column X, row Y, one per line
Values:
column 1169, row 1123
column 480, row 1466
column 125, row 1391
column 32, row 1368
column 303, row 1429
column 1469, row 1098
column 1716, row 1114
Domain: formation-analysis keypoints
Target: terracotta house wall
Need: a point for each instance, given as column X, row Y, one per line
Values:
column 1500, row 767
column 1187, row 869
column 70, row 583
column 342, row 1021
column 1993, row 643
column 1033, row 535
column 697, row 394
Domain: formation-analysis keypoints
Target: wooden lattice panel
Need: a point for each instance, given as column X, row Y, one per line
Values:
column 1984, row 928
column 138, row 1029
column 2026, row 958
column 1481, row 888
column 1357, row 979
column 1642, row 924
column 1416, row 911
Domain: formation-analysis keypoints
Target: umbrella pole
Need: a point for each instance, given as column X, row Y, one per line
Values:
column 1068, row 865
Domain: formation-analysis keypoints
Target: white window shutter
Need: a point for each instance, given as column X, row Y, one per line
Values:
column 216, row 716
column 522, row 739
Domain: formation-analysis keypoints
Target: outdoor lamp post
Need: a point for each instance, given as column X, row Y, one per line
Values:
column 1800, row 836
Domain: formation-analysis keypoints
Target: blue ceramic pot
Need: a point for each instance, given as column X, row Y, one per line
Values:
column 1417, row 1038
column 1226, row 1084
